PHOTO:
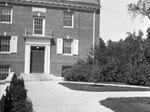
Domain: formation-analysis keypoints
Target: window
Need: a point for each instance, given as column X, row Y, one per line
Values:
column 38, row 25
column 8, row 44
column 5, row 44
column 67, row 46
column 4, row 71
column 68, row 19
column 6, row 15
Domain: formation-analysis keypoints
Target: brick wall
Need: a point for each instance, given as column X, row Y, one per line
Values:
column 22, row 18
column 83, row 31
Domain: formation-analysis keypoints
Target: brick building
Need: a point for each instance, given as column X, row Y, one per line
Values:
column 45, row 36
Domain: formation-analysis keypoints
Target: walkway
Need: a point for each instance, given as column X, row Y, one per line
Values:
column 49, row 96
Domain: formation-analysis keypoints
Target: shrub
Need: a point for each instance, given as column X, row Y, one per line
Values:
column 140, row 75
column 125, row 61
column 16, row 96
column 96, row 74
column 78, row 73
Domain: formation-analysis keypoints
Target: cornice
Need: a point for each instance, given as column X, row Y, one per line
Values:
column 56, row 3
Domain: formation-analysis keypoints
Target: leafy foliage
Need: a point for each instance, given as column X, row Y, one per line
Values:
column 126, row 61
column 142, row 7
column 78, row 73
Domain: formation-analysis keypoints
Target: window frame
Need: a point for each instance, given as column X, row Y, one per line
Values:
column 2, row 66
column 66, row 12
column 43, row 26
column 6, row 52
column 71, row 53
column 11, row 14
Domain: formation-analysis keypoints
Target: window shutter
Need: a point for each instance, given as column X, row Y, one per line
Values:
column 13, row 44
column 59, row 45
column 75, row 46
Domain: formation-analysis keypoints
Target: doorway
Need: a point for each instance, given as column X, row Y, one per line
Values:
column 37, row 59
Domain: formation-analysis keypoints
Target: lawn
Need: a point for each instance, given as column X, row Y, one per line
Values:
column 136, row 104
column 99, row 88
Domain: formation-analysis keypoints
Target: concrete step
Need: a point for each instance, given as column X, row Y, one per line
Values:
column 34, row 77
column 39, row 77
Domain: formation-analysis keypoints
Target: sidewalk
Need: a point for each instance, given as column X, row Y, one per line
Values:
column 49, row 96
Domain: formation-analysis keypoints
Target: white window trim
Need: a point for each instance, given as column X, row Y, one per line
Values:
column 13, row 44
column 68, row 54
column 6, row 52
column 10, row 20
column 72, row 22
column 43, row 31
column 65, row 54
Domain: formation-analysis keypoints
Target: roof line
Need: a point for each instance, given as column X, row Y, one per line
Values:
column 70, row 4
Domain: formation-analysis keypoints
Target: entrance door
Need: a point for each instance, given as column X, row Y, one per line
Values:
column 37, row 59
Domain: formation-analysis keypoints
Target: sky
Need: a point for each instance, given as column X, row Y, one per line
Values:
column 116, row 22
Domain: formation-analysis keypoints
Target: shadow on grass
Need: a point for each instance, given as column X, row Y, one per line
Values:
column 99, row 88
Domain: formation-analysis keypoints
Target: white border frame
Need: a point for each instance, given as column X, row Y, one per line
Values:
column 28, row 45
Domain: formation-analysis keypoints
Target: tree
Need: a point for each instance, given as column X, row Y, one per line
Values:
column 148, row 32
column 142, row 7
column 99, row 54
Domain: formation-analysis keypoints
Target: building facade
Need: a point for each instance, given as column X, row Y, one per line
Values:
column 46, row 36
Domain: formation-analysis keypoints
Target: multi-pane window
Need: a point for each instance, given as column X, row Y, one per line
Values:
column 5, row 44
column 38, row 26
column 68, row 19
column 6, row 14
column 67, row 46
column 4, row 71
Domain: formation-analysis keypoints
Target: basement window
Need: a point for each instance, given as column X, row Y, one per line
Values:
column 4, row 71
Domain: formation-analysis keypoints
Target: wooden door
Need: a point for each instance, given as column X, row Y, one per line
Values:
column 37, row 59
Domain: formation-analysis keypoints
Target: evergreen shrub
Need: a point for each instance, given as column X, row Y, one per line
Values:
column 16, row 96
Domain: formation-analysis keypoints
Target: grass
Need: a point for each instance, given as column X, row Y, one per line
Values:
column 136, row 104
column 99, row 88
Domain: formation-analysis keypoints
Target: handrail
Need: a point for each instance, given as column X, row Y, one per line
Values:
column 8, row 79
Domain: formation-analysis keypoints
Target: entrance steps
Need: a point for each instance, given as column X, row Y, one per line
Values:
column 39, row 77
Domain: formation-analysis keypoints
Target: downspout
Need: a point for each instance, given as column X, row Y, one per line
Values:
column 99, row 19
column 94, row 32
